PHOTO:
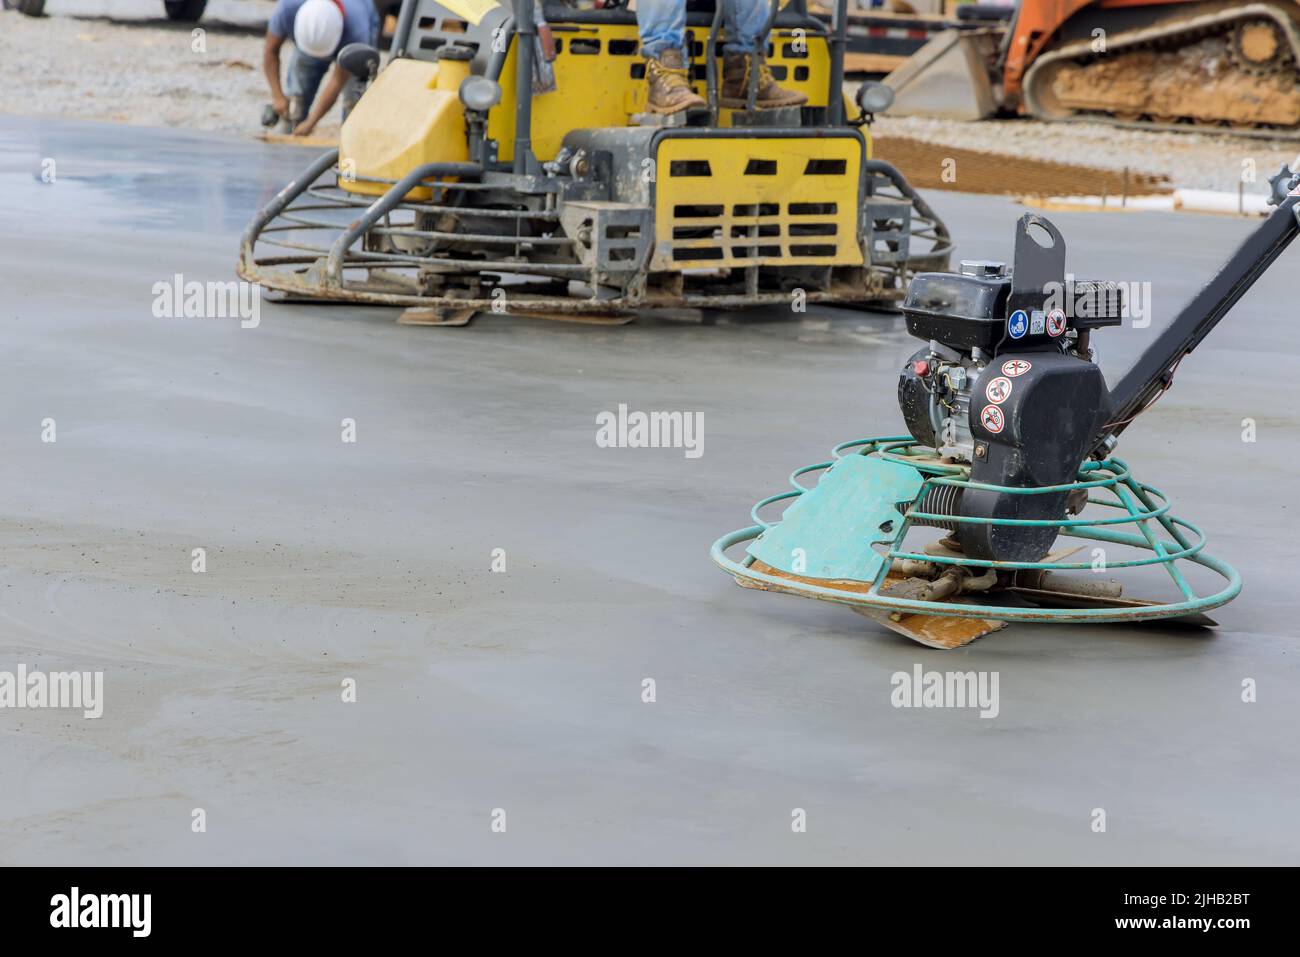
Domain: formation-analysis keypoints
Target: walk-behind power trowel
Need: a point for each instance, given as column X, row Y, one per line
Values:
column 1012, row 430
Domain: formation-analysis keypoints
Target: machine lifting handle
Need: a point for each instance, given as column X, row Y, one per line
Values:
column 839, row 40
column 711, row 62
column 405, row 17
column 1152, row 371
column 525, row 33
column 751, row 94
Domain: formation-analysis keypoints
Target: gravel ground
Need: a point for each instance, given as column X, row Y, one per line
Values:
column 139, row 68
column 522, row 690
column 1189, row 160
column 142, row 71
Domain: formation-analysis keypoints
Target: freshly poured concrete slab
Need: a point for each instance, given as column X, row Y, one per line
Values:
column 523, row 691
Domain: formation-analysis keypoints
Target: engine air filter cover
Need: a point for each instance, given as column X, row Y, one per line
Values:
column 960, row 311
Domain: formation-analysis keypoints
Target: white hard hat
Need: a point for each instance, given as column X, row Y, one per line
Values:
column 318, row 27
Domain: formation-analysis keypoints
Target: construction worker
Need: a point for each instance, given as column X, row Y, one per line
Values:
column 662, row 24
column 319, row 28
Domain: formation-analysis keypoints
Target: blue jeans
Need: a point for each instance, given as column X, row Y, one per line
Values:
column 303, row 79
column 663, row 24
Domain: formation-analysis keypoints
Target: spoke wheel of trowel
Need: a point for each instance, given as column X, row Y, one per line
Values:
column 185, row 11
column 33, row 8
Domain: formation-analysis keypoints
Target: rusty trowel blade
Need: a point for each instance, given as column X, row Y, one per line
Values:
column 934, row 631
column 586, row 318
column 421, row 316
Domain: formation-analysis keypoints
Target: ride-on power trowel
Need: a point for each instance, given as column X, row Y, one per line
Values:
column 486, row 169
column 1011, row 436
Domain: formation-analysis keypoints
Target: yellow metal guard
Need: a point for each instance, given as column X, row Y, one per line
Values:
column 724, row 201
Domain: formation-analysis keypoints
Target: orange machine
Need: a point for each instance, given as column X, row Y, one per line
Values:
column 1037, row 25
column 1156, row 62
column 1174, row 64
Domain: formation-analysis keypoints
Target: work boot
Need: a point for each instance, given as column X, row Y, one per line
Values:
column 735, row 86
column 669, row 84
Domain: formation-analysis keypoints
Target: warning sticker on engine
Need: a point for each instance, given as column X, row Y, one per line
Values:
column 992, row 420
column 1016, row 367
column 998, row 390
column 1055, row 323
column 1018, row 324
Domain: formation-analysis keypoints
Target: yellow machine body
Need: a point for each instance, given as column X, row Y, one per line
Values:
column 600, row 78
column 770, row 200
column 411, row 115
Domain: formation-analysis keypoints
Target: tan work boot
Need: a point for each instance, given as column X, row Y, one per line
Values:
column 735, row 86
column 670, row 85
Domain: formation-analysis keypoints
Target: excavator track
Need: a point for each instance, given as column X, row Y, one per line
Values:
column 1230, row 71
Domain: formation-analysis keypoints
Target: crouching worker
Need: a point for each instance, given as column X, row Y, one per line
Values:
column 662, row 25
column 319, row 29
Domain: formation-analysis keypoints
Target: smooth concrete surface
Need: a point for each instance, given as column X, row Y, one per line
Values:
column 522, row 691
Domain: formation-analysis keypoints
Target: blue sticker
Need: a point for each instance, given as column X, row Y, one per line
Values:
column 1018, row 324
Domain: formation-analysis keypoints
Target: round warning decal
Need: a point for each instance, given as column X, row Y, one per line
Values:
column 1055, row 323
column 1018, row 324
column 998, row 390
column 1016, row 367
column 992, row 420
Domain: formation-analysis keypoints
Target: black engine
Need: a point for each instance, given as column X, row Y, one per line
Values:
column 1008, row 384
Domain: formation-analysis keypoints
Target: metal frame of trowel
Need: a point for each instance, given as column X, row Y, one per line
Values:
column 854, row 564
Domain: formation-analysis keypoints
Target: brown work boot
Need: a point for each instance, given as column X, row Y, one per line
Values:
column 735, row 86
column 670, row 85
